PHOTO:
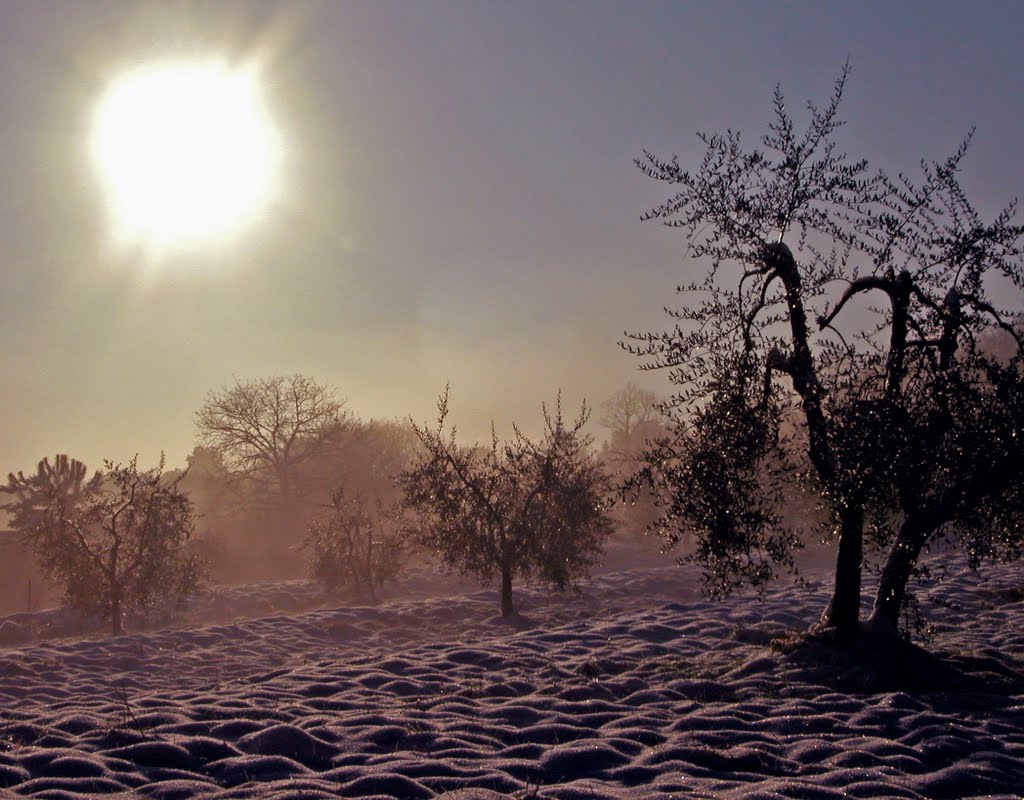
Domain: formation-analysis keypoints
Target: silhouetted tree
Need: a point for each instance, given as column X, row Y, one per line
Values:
column 355, row 547
column 632, row 417
column 516, row 508
column 627, row 412
column 251, row 532
column 116, row 542
column 791, row 235
column 266, row 429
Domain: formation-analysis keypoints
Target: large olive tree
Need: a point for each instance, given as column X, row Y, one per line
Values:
column 834, row 339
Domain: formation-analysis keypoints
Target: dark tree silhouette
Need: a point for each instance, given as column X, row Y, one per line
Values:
column 266, row 429
column 516, row 508
column 792, row 234
column 116, row 542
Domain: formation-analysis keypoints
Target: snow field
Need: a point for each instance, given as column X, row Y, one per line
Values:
column 636, row 688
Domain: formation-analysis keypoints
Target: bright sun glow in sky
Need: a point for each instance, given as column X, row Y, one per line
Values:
column 187, row 153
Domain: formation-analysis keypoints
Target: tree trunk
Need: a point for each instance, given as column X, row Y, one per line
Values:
column 843, row 612
column 367, row 589
column 116, row 587
column 507, row 609
column 892, row 586
column 284, row 484
column 116, row 628
column 801, row 368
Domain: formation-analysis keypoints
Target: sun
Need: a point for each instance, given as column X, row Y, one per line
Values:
column 186, row 151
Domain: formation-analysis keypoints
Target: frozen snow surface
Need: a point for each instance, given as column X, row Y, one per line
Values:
column 637, row 687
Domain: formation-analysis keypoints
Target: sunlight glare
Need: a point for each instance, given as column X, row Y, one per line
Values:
column 187, row 152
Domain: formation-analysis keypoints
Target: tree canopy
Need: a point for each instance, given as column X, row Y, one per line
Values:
column 265, row 429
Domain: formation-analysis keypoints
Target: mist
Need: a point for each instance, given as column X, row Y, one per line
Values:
column 474, row 400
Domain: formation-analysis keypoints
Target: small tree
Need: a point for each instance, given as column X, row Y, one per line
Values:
column 516, row 508
column 116, row 542
column 355, row 549
column 905, row 427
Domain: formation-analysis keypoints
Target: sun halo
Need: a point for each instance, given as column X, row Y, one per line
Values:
column 187, row 153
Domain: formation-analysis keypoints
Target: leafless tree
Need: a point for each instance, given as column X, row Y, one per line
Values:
column 632, row 417
column 629, row 409
column 265, row 429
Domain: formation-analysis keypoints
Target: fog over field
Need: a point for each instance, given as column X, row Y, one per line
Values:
column 477, row 400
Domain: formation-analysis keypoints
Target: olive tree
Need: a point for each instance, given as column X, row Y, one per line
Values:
column 116, row 542
column 515, row 508
column 908, row 429
column 355, row 546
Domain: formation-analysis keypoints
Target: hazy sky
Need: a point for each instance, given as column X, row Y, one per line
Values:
column 459, row 200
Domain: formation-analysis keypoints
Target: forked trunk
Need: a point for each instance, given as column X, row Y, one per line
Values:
column 843, row 610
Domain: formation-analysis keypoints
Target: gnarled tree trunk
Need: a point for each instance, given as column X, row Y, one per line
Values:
column 843, row 610
column 892, row 586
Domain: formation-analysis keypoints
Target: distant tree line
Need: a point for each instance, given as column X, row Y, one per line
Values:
column 283, row 479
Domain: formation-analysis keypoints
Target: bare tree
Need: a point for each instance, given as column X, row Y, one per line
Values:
column 628, row 410
column 633, row 419
column 515, row 508
column 115, row 542
column 792, row 234
column 266, row 429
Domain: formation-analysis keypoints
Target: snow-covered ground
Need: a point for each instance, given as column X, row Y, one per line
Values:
column 637, row 687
